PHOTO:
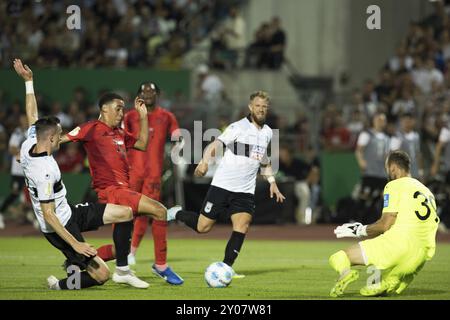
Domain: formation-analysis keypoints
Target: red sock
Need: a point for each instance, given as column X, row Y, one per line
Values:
column 140, row 226
column 106, row 252
column 159, row 231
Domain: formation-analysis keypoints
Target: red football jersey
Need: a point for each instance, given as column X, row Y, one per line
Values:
column 161, row 124
column 106, row 149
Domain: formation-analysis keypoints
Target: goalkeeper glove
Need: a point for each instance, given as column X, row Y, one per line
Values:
column 351, row 230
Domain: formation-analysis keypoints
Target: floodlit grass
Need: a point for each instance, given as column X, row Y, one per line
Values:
column 274, row 270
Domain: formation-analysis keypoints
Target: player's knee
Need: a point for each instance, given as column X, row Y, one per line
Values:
column 161, row 213
column 205, row 228
column 242, row 227
column 126, row 214
column 102, row 275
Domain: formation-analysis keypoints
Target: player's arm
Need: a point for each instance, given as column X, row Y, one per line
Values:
column 30, row 100
column 267, row 173
column 210, row 152
column 48, row 210
column 142, row 141
column 382, row 225
column 65, row 139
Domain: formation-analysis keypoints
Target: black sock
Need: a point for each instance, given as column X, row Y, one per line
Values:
column 189, row 218
column 233, row 248
column 122, row 241
column 86, row 281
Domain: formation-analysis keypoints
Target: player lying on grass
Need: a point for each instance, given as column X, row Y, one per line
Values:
column 405, row 234
column 232, row 189
column 60, row 222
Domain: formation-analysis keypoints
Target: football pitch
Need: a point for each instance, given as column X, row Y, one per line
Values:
column 274, row 270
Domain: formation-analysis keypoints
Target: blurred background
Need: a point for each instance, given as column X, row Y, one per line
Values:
column 328, row 76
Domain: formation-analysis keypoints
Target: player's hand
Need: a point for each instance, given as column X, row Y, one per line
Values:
column 201, row 169
column 140, row 107
column 85, row 249
column 351, row 230
column 23, row 71
column 274, row 191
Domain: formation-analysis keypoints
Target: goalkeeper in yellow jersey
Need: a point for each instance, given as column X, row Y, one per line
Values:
column 405, row 235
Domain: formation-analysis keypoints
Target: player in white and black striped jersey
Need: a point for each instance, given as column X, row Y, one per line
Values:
column 61, row 223
column 233, row 186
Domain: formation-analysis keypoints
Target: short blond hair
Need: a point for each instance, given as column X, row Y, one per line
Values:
column 260, row 94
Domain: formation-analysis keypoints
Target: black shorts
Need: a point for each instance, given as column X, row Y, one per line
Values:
column 17, row 184
column 219, row 201
column 84, row 218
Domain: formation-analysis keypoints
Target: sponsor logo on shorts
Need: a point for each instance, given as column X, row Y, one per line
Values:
column 208, row 207
column 386, row 201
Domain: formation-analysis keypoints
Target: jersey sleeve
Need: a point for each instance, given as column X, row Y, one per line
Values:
column 230, row 134
column 82, row 133
column 31, row 132
column 391, row 198
column 44, row 185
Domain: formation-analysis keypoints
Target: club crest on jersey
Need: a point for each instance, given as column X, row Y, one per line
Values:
column 119, row 142
column 257, row 152
column 208, row 207
column 386, row 201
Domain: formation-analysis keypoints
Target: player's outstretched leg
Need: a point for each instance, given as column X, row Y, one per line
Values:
column 341, row 264
column 197, row 222
column 97, row 273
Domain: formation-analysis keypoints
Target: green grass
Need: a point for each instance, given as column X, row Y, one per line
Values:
column 274, row 270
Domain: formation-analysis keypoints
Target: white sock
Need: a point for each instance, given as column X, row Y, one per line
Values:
column 123, row 269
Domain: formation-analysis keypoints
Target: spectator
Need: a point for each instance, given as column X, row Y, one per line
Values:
column 401, row 61
column 257, row 55
column 234, row 30
column 404, row 104
column 425, row 75
column 17, row 176
column 307, row 177
column 371, row 151
column 210, row 93
column 277, row 44
column 335, row 136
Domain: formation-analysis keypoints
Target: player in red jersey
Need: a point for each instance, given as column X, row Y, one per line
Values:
column 146, row 172
column 106, row 145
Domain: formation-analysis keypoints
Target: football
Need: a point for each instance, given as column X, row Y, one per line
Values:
column 218, row 275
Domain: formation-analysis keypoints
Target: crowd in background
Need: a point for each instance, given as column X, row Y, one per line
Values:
column 117, row 33
column 135, row 33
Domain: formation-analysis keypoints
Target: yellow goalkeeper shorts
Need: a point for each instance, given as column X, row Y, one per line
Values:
column 403, row 254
